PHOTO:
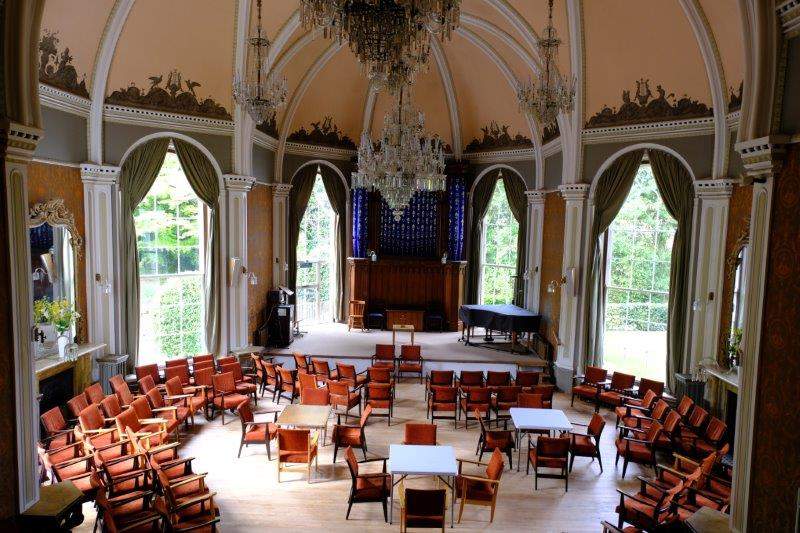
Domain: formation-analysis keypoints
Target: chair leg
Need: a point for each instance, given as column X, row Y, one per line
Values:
column 600, row 461
column 566, row 480
column 461, row 508
column 624, row 467
column 571, row 462
column 385, row 511
column 269, row 453
column 240, row 448
column 510, row 458
column 349, row 506
column 335, row 451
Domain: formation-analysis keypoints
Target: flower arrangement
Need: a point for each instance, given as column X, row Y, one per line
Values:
column 60, row 313
column 734, row 347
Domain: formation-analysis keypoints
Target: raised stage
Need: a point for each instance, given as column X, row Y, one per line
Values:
column 442, row 350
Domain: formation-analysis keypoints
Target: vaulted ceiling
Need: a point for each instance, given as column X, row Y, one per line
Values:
column 470, row 83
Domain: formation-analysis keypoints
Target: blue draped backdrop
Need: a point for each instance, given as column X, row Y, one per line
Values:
column 360, row 204
column 456, row 199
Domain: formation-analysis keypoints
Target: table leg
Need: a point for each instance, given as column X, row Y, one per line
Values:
column 519, row 448
column 391, row 500
column 412, row 337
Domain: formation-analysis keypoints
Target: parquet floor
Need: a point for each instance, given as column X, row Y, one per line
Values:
column 251, row 499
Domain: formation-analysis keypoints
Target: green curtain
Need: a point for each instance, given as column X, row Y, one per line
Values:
column 302, row 186
column 518, row 202
column 610, row 193
column 337, row 195
column 677, row 191
column 481, row 196
column 137, row 175
column 203, row 178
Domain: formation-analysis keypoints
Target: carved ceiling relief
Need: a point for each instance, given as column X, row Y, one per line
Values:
column 269, row 127
column 735, row 98
column 647, row 107
column 323, row 132
column 56, row 68
column 550, row 132
column 496, row 137
column 177, row 96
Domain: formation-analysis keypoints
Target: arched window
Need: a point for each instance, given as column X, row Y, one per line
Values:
column 498, row 250
column 170, row 230
column 316, row 276
column 638, row 252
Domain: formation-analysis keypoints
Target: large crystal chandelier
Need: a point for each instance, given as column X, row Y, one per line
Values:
column 390, row 38
column 553, row 94
column 406, row 160
column 260, row 92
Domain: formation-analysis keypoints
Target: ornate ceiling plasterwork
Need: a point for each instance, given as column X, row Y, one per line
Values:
column 270, row 127
column 324, row 132
column 646, row 107
column 172, row 97
column 735, row 98
column 55, row 67
column 550, row 132
column 497, row 137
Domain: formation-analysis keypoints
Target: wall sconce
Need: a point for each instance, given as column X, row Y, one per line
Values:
column 567, row 279
column 104, row 285
column 251, row 278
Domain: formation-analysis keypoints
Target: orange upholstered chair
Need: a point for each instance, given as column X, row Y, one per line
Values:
column 244, row 384
column 200, row 365
column 310, row 381
column 470, row 379
column 177, row 361
column 381, row 396
column 297, row 446
column 546, row 390
column 422, row 508
column 94, row 427
column 648, row 384
column 59, row 434
column 148, row 370
column 640, row 448
column 588, row 444
column 70, row 463
column 261, row 374
column 204, row 378
column 670, row 432
column 181, row 413
column 255, row 432
column 121, row 389
column 301, row 363
column 590, row 384
column 179, row 371
column 696, row 421
column 367, row 488
column 144, row 411
column 621, row 386
column 381, row 374
column 650, row 508
column 228, row 359
column 309, row 396
column 438, row 378
column 110, row 406
column 496, row 379
column 480, row 490
column 443, row 399
column 504, row 399
column 146, row 383
column 640, row 406
column 323, row 370
column 225, row 396
column 272, row 381
column 527, row 379
column 131, row 512
column 202, row 358
column 643, row 421
column 187, row 504
column 348, row 374
column 530, row 400
column 289, row 386
column 343, row 398
column 192, row 397
column 491, row 439
column 702, row 445
column 384, row 355
column 410, row 361
column 685, row 407
column 552, row 453
column 152, row 431
column 476, row 400
column 76, row 404
column 420, row 434
column 352, row 436
column 94, row 393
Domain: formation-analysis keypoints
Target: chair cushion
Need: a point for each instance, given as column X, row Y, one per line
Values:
column 584, row 391
column 230, row 401
column 347, row 436
column 583, row 445
column 87, row 484
column 409, row 367
column 259, row 432
column 372, row 487
column 476, row 490
column 546, row 462
column 442, row 406
column 636, row 451
column 611, row 397
column 379, row 404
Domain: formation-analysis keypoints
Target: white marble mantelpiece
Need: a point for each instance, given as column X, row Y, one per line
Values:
column 728, row 377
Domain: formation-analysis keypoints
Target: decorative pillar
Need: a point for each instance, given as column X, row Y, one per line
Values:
column 711, row 207
column 762, row 160
column 568, row 353
column 533, row 263
column 280, row 232
column 237, row 279
column 102, row 283
column 17, row 144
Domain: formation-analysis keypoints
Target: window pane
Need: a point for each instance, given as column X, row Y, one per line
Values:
column 190, row 259
column 499, row 256
column 167, row 261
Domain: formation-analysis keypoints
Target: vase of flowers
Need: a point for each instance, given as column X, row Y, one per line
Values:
column 60, row 315
column 734, row 348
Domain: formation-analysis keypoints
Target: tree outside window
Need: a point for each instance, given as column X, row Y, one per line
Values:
column 638, row 252
column 315, row 257
column 170, row 238
column 499, row 250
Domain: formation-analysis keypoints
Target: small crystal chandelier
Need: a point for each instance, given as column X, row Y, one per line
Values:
column 390, row 38
column 261, row 92
column 553, row 95
column 406, row 161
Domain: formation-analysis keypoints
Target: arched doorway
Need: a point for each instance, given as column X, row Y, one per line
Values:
column 499, row 250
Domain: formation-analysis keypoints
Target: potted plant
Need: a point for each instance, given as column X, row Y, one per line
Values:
column 734, row 348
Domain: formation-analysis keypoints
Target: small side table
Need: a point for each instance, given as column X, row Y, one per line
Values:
column 403, row 327
column 58, row 508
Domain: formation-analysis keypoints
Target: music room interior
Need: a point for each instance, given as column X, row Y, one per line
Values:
column 360, row 265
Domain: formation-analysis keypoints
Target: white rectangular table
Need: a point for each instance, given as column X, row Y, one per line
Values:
column 439, row 461
column 528, row 419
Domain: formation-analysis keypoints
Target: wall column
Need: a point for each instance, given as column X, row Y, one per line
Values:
column 568, row 356
column 762, row 161
column 237, row 285
column 712, row 199
column 280, row 230
column 99, row 190
column 18, row 143
column 533, row 263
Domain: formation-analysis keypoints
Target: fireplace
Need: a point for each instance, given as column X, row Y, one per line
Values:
column 56, row 389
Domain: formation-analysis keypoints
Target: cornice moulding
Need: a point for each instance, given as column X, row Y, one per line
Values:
column 20, row 141
column 318, row 151
column 60, row 100
column 236, row 182
column 732, row 119
column 100, row 174
column 714, row 188
column 280, row 189
column 649, row 131
column 762, row 157
column 789, row 15
column 265, row 141
column 163, row 119
column 501, row 156
column 574, row 191
column 536, row 196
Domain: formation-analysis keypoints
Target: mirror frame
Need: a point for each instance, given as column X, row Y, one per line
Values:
column 55, row 213
column 741, row 242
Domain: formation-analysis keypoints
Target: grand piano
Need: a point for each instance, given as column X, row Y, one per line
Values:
column 506, row 318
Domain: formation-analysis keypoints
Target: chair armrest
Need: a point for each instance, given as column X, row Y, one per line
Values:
column 641, row 441
column 153, row 420
column 189, row 479
column 167, row 408
column 470, row 461
column 633, row 497
column 162, row 448
column 178, row 397
column 195, row 501
column 672, row 471
column 175, row 462
column 481, row 479
column 374, row 460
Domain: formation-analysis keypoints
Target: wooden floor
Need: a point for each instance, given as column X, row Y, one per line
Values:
column 251, row 499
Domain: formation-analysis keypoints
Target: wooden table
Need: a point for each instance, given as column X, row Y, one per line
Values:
column 58, row 508
column 439, row 461
column 529, row 419
column 403, row 327
column 305, row 416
